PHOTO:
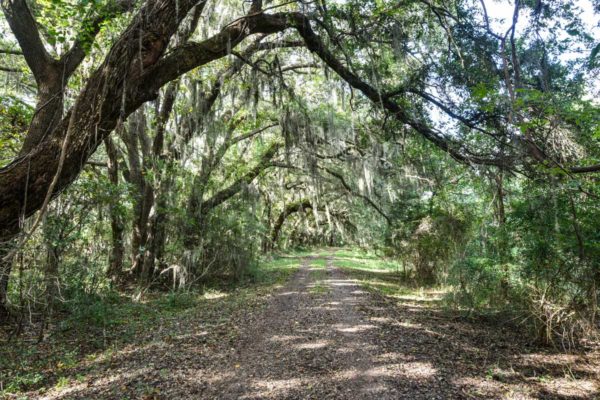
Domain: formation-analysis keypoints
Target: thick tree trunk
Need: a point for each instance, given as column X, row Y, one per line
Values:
column 111, row 93
column 48, row 112
column 128, row 77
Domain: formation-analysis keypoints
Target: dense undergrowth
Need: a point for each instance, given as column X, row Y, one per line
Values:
column 514, row 308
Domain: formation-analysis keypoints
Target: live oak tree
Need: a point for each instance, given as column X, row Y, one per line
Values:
column 426, row 94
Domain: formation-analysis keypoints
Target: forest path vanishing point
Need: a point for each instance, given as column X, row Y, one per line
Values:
column 323, row 336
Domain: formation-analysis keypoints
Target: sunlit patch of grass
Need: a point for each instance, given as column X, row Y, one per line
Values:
column 297, row 253
column 356, row 254
column 214, row 294
column 384, row 277
column 62, row 382
column 317, row 276
column 358, row 259
column 324, row 253
column 274, row 271
column 404, row 294
column 318, row 263
column 319, row 288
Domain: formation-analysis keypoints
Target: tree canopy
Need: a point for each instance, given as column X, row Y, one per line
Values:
column 161, row 142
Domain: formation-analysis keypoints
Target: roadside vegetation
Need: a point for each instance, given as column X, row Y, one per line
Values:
column 93, row 329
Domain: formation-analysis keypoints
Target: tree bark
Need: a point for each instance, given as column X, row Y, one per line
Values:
column 136, row 139
column 112, row 92
column 198, row 209
column 156, row 196
column 117, row 252
column 501, row 214
column 5, row 268
column 51, row 278
column 157, row 237
column 131, row 74
column 52, row 75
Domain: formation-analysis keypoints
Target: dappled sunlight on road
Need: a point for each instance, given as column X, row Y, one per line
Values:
column 353, row 329
column 317, row 344
column 343, row 342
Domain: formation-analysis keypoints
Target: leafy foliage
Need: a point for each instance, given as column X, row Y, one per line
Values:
column 458, row 147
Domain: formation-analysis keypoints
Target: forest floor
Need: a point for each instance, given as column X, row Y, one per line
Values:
column 335, row 324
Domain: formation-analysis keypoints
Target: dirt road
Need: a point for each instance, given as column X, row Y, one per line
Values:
column 322, row 336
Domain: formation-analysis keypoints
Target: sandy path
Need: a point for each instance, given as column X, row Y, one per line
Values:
column 324, row 337
column 312, row 341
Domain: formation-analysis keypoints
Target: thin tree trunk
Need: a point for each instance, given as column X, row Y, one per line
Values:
column 501, row 214
column 52, row 282
column 117, row 252
column 156, row 240
column 149, row 256
column 143, row 198
column 5, row 268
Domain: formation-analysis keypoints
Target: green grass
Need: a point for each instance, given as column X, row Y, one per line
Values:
column 383, row 277
column 298, row 252
column 318, row 273
column 274, row 271
column 358, row 259
column 318, row 263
